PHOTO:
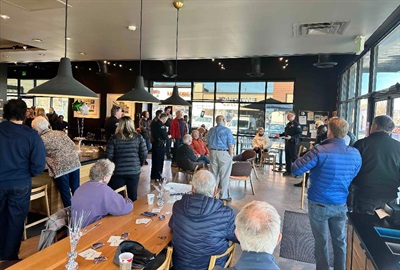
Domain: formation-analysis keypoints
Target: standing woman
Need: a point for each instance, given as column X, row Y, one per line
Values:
column 61, row 158
column 144, row 126
column 128, row 151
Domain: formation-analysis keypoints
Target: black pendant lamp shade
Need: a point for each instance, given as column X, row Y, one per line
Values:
column 63, row 85
column 139, row 93
column 175, row 99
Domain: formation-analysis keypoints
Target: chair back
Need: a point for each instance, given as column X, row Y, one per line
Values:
column 230, row 251
column 302, row 149
column 168, row 258
column 124, row 189
column 249, row 155
column 56, row 222
column 241, row 168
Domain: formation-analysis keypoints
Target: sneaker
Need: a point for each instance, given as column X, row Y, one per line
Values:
column 299, row 184
column 287, row 174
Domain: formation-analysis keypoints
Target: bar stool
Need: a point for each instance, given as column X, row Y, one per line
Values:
column 38, row 193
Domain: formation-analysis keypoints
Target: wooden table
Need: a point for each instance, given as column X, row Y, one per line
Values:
column 154, row 237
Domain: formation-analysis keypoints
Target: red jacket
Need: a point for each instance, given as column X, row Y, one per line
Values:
column 175, row 130
column 199, row 147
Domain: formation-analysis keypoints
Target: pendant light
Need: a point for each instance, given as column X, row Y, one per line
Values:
column 64, row 84
column 175, row 99
column 139, row 93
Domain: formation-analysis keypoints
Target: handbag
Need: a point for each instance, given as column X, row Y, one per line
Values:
column 141, row 256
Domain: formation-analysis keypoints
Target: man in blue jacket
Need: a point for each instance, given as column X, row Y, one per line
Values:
column 332, row 166
column 202, row 226
column 22, row 156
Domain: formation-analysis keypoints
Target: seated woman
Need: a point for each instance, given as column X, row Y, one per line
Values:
column 97, row 197
column 198, row 146
column 260, row 142
column 185, row 153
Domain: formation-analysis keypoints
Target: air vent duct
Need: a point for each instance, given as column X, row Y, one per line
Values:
column 255, row 68
column 324, row 61
column 319, row 28
column 169, row 69
column 103, row 68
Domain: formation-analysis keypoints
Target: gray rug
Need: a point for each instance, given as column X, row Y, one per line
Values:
column 297, row 239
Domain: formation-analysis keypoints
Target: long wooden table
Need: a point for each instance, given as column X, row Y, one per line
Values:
column 155, row 236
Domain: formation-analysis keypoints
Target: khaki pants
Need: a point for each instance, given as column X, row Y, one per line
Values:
column 221, row 166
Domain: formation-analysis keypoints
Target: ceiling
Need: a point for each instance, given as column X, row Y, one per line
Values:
column 207, row 29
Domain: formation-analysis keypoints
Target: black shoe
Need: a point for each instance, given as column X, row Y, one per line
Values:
column 287, row 174
column 299, row 184
column 226, row 199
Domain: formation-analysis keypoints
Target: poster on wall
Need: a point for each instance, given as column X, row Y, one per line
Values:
column 307, row 122
column 128, row 107
column 94, row 108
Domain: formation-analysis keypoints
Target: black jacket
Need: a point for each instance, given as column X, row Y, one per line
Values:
column 144, row 126
column 293, row 129
column 379, row 175
column 128, row 155
column 110, row 126
column 158, row 132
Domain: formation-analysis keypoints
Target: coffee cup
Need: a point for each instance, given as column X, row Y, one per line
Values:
column 125, row 261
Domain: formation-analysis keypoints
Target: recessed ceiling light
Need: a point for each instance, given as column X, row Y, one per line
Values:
column 82, row 53
column 132, row 27
column 25, row 47
column 90, row 68
column 120, row 65
column 286, row 60
column 280, row 58
column 130, row 69
column 68, row 38
column 284, row 67
column 37, row 40
column 105, row 62
column 108, row 63
column 213, row 59
column 4, row 17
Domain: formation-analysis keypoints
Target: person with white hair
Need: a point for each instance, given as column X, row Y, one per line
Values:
column 185, row 152
column 96, row 197
column 202, row 226
column 61, row 158
column 258, row 231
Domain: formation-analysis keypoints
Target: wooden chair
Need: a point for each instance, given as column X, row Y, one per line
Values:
column 166, row 265
column 37, row 193
column 230, row 251
column 241, row 171
column 188, row 168
column 250, row 156
column 124, row 189
column 268, row 158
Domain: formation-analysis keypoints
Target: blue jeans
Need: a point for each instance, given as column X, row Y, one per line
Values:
column 325, row 219
column 204, row 159
column 148, row 144
column 14, row 206
column 66, row 184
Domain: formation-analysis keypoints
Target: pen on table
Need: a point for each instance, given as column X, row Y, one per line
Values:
column 95, row 226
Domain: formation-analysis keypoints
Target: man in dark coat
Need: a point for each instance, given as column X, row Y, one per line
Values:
column 202, row 226
column 112, row 122
column 159, row 139
column 185, row 152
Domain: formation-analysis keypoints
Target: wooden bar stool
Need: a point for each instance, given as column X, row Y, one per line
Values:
column 37, row 193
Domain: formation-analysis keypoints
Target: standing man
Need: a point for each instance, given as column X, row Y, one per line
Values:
column 292, row 135
column 52, row 116
column 377, row 182
column 144, row 128
column 221, row 144
column 112, row 122
column 167, row 111
column 177, row 130
column 332, row 166
column 159, row 140
column 22, row 156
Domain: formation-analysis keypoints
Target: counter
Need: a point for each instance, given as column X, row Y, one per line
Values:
column 365, row 248
column 87, row 157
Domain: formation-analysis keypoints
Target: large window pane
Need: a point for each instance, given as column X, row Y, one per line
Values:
column 26, row 85
column 227, row 91
column 281, row 91
column 60, row 105
column 43, row 102
column 396, row 118
column 388, row 63
column 343, row 86
column 380, row 107
column 362, row 118
column 352, row 81
column 202, row 113
column 275, row 118
column 252, row 91
column 342, row 110
column 203, row 91
column 364, row 62
column 350, row 115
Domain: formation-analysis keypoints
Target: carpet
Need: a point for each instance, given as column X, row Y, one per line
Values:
column 297, row 239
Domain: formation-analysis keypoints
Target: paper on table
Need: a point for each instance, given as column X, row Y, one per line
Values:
column 142, row 220
column 178, row 188
column 90, row 254
column 381, row 213
column 115, row 240
column 156, row 210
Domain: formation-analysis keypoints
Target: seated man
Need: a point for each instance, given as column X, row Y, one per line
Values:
column 198, row 146
column 202, row 226
column 260, row 142
column 258, row 230
column 97, row 197
column 185, row 153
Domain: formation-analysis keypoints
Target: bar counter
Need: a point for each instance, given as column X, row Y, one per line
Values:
column 365, row 248
column 88, row 156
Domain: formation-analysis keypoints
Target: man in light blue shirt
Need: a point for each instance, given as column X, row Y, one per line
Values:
column 221, row 144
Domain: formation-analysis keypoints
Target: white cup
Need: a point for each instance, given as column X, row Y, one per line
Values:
column 125, row 261
column 150, row 198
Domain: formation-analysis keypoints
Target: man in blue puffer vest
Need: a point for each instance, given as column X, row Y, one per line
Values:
column 202, row 226
column 332, row 166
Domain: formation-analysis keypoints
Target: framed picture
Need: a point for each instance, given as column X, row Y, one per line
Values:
column 94, row 108
column 128, row 107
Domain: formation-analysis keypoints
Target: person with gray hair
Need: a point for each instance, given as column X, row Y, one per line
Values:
column 185, row 153
column 377, row 182
column 61, row 158
column 258, row 227
column 112, row 122
column 96, row 197
column 202, row 226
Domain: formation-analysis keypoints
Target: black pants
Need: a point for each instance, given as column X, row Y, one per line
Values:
column 131, row 181
column 177, row 143
column 168, row 148
column 291, row 155
column 157, row 161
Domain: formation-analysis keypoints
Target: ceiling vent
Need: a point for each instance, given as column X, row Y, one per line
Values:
column 324, row 61
column 37, row 5
column 255, row 68
column 12, row 46
column 103, row 68
column 319, row 29
column 169, row 69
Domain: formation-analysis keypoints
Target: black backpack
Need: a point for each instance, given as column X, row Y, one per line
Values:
column 141, row 256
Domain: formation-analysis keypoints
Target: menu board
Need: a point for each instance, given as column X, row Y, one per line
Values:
column 307, row 122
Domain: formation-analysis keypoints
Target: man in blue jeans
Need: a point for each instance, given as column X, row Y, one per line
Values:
column 332, row 166
column 22, row 156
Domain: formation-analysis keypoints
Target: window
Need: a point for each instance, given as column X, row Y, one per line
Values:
column 202, row 113
column 388, row 64
column 396, row 118
column 364, row 70
column 203, row 91
column 343, row 86
column 252, row 91
column 380, row 107
column 227, row 91
column 352, row 81
column 350, row 115
column 281, row 91
column 26, row 85
column 362, row 118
